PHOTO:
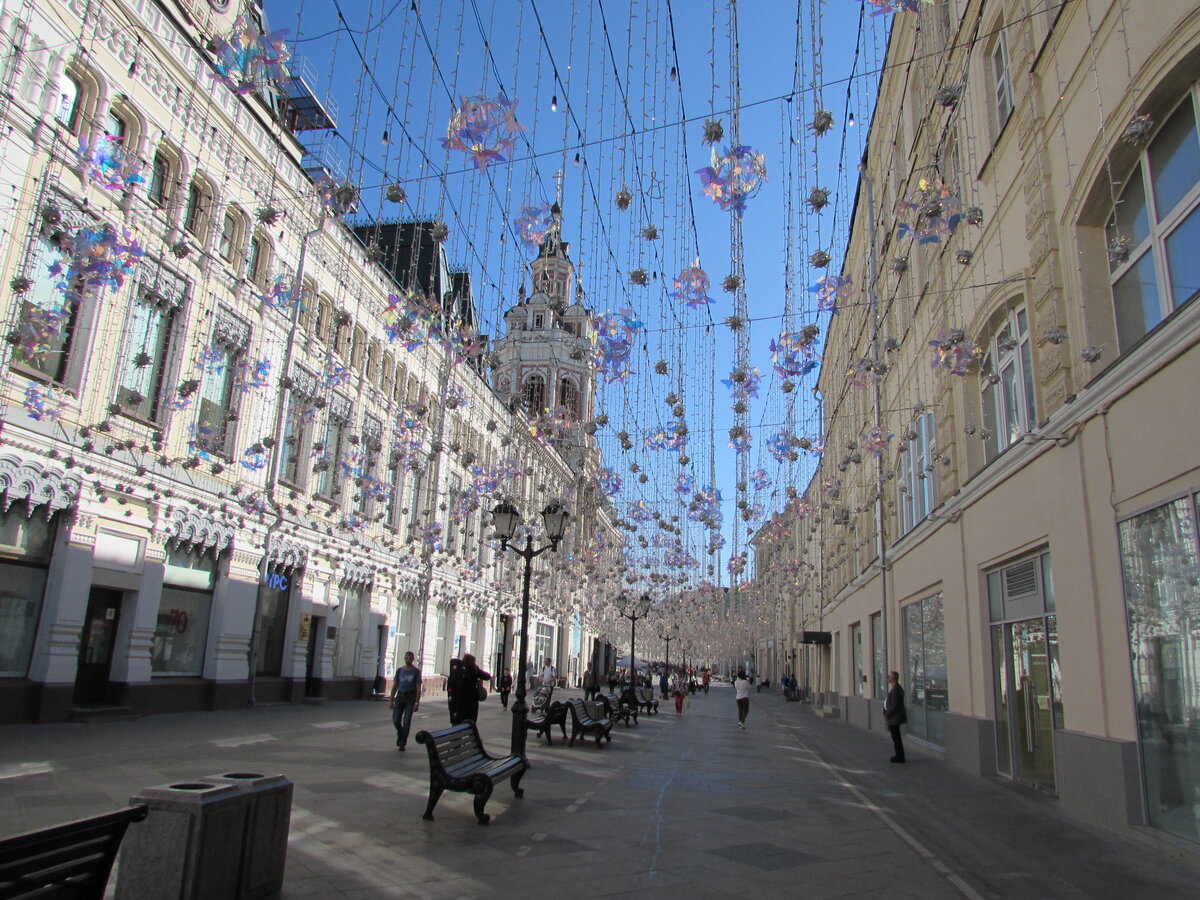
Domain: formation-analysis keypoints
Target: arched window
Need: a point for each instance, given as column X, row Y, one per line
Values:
column 233, row 230
column 69, row 103
column 199, row 208
column 160, row 179
column 535, row 394
column 568, row 398
column 258, row 261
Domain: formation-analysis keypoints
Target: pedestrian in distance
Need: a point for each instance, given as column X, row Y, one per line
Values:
column 895, row 714
column 466, row 689
column 612, row 681
column 405, row 698
column 505, row 687
column 591, row 685
column 741, row 688
column 679, row 691
column 705, row 675
column 662, row 683
column 549, row 674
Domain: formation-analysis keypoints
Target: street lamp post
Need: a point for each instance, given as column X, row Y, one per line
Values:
column 639, row 610
column 506, row 518
column 667, row 636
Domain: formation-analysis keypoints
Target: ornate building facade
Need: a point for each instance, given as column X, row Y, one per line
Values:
column 248, row 462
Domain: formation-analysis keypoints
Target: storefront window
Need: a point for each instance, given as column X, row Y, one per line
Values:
column 541, row 646
column 25, row 546
column 1160, row 562
column 856, row 653
column 181, row 633
column 924, row 672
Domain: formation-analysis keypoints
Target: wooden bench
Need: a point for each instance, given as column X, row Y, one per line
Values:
column 65, row 861
column 546, row 720
column 618, row 711
column 458, row 762
column 640, row 698
column 583, row 724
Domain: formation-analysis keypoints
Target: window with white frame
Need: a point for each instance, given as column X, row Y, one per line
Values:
column 46, row 329
column 1007, row 384
column 1154, row 229
column 258, row 260
column 213, row 432
column 1001, row 79
column 915, row 477
column 199, row 205
column 233, row 229
column 148, row 334
column 69, row 103
column 336, row 426
column 160, row 179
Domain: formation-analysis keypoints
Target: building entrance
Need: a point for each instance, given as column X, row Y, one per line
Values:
column 1025, row 701
column 96, row 646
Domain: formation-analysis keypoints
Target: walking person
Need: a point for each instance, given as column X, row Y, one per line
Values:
column 549, row 674
column 741, row 688
column 467, row 690
column 591, row 685
column 405, row 698
column 505, row 687
column 679, row 691
column 662, row 684
column 895, row 714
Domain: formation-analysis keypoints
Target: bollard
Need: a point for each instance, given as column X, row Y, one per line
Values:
column 264, row 850
column 189, row 847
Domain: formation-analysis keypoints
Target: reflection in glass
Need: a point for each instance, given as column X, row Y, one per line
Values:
column 1160, row 563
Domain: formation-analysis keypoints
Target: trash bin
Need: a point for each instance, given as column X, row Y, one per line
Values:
column 266, row 836
column 190, row 845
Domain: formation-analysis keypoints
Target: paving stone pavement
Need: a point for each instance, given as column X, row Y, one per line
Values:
column 687, row 806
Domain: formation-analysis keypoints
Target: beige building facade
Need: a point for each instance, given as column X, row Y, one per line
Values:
column 1006, row 508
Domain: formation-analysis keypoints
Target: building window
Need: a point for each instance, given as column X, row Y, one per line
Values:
column 858, row 675
column 568, row 398
column 115, row 126
column 46, row 330
column 195, row 216
column 1155, row 227
column 231, row 237
column 924, row 668
column 70, row 102
column 214, row 428
column 144, row 362
column 258, row 261
column 1160, row 559
column 181, row 632
column 542, row 646
column 25, row 546
column 916, row 480
column 539, row 321
column 1002, row 93
column 160, row 180
column 535, row 394
column 334, row 446
column 1007, row 384
column 297, row 433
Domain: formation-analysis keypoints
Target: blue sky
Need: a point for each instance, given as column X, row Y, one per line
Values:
column 615, row 94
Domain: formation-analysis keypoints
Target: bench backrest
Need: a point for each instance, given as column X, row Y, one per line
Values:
column 581, row 711
column 71, row 860
column 453, row 747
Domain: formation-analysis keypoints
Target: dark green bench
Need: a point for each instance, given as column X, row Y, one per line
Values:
column 458, row 762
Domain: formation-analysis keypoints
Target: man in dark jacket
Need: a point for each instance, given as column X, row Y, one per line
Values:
column 895, row 714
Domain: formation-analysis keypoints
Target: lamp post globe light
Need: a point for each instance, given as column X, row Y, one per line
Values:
column 638, row 610
column 507, row 518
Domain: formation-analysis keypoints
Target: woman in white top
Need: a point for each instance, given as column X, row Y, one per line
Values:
column 741, row 689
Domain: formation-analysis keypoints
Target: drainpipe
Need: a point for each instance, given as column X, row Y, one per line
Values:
column 273, row 468
column 880, row 543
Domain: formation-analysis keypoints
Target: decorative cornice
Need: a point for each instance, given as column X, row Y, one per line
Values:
column 230, row 331
column 160, row 285
column 36, row 485
column 355, row 572
column 193, row 529
column 287, row 553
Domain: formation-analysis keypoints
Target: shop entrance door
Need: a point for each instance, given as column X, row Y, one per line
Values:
column 1025, row 703
column 96, row 646
column 312, row 684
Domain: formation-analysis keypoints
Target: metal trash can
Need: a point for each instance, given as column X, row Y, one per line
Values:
column 268, row 818
column 190, row 845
